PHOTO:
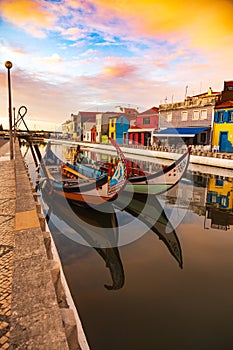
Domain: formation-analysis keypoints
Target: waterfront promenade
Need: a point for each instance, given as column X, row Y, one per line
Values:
column 35, row 307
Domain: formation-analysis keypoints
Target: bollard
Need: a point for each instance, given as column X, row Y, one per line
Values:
column 35, row 196
column 42, row 222
column 56, row 277
column 70, row 327
column 38, row 208
column 48, row 246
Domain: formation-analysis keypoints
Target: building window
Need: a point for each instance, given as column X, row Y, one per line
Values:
column 220, row 117
column 196, row 115
column 203, row 114
column 112, row 122
column 184, row 115
column 146, row 121
column 213, row 198
column 224, row 201
column 230, row 116
column 219, row 182
column 169, row 116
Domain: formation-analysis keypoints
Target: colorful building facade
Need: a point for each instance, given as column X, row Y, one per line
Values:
column 195, row 112
column 112, row 127
column 222, row 138
column 146, row 124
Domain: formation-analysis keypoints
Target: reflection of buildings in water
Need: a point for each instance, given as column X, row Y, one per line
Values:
column 145, row 166
column 220, row 193
column 219, row 203
column 219, row 218
column 190, row 190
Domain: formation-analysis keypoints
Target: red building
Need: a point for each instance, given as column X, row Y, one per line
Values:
column 146, row 124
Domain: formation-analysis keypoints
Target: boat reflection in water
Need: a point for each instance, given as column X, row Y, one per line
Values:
column 93, row 228
column 101, row 229
column 147, row 209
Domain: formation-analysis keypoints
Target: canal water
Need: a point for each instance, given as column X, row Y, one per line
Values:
column 168, row 287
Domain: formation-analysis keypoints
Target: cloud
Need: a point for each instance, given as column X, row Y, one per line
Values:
column 118, row 70
column 54, row 58
column 203, row 24
column 32, row 16
column 73, row 33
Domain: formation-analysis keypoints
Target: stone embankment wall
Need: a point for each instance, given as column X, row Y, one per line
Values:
column 41, row 314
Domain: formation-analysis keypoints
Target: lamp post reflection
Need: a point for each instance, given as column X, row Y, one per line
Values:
column 9, row 65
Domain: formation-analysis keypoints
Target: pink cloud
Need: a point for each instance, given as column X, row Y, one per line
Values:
column 118, row 70
column 29, row 15
column 203, row 24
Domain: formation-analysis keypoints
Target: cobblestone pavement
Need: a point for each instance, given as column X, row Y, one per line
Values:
column 7, row 219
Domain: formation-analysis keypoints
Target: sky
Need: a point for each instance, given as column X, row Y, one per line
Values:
column 78, row 55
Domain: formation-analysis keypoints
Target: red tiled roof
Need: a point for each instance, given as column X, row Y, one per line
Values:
column 153, row 110
column 90, row 120
column 224, row 105
column 130, row 110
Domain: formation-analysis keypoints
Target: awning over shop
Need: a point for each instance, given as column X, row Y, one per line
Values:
column 141, row 130
column 180, row 132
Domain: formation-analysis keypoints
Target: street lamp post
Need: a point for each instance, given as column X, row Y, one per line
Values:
column 9, row 65
column 14, row 122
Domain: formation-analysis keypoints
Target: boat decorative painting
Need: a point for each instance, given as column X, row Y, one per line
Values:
column 64, row 179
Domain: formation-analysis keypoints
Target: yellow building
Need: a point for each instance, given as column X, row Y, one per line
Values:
column 112, row 128
column 223, row 127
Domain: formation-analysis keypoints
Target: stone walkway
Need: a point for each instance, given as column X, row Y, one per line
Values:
column 7, row 221
column 34, row 313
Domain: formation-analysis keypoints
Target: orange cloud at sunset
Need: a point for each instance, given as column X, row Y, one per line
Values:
column 118, row 71
column 202, row 23
column 27, row 14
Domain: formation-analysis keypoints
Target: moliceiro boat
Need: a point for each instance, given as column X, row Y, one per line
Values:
column 161, row 181
column 64, row 180
column 138, row 181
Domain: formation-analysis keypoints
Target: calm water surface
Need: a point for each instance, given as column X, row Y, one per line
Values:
column 164, row 290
